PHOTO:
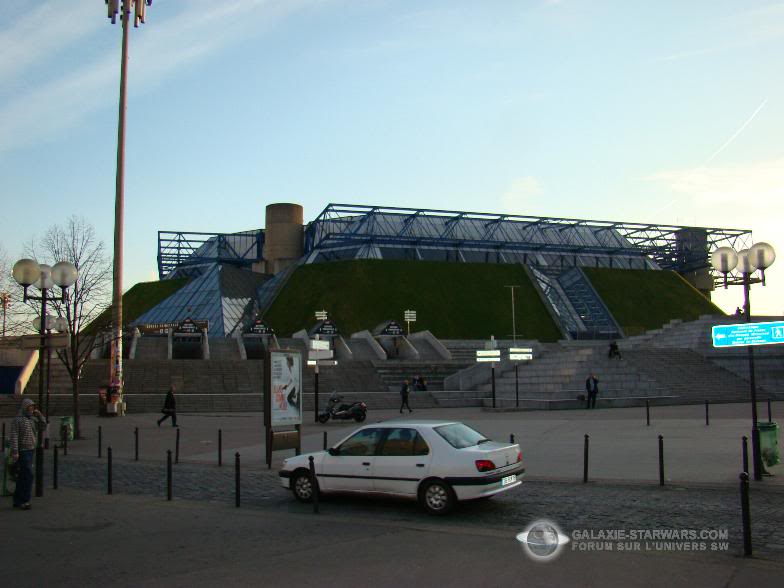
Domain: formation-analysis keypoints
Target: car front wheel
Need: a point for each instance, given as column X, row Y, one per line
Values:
column 302, row 486
column 437, row 497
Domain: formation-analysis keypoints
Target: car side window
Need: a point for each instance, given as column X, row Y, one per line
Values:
column 404, row 442
column 363, row 442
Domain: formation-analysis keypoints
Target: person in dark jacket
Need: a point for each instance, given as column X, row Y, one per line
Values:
column 592, row 388
column 169, row 408
column 24, row 440
column 404, row 390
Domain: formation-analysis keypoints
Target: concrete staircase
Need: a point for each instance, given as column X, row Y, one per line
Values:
column 696, row 337
column 152, row 347
column 393, row 372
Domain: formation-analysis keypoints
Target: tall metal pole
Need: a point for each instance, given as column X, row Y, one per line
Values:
column 514, row 328
column 755, row 435
column 39, row 451
column 116, row 374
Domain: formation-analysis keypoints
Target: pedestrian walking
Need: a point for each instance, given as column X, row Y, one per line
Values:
column 169, row 408
column 592, row 388
column 404, row 390
column 24, row 441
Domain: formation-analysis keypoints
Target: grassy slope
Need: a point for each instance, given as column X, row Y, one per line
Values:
column 138, row 300
column 642, row 300
column 452, row 300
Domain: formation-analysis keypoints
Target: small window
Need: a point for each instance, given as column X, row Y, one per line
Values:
column 459, row 435
column 363, row 442
column 404, row 442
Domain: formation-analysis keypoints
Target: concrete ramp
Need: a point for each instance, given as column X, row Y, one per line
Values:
column 361, row 350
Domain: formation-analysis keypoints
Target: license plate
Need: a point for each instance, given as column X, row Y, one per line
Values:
column 508, row 480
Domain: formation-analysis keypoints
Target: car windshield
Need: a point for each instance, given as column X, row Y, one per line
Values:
column 459, row 435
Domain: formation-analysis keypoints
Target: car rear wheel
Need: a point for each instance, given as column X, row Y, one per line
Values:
column 437, row 497
column 302, row 486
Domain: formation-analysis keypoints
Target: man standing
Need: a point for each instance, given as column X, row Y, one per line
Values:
column 24, row 440
column 169, row 408
column 404, row 390
column 592, row 388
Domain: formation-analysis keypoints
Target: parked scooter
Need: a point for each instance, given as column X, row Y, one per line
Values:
column 338, row 410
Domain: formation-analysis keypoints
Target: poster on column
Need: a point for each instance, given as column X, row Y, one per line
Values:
column 285, row 385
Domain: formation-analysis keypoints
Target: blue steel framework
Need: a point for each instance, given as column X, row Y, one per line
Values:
column 347, row 231
column 178, row 250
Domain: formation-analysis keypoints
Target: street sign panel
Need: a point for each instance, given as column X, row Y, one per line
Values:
column 410, row 315
column 322, row 362
column 745, row 334
column 319, row 344
column 521, row 350
column 521, row 356
column 320, row 354
column 321, row 315
column 488, row 353
column 488, row 359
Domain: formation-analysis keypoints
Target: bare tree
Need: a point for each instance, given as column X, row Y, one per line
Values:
column 16, row 315
column 75, row 241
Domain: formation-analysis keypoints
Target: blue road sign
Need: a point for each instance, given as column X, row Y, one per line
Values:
column 746, row 334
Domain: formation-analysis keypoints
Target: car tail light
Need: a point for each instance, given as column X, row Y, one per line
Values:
column 519, row 456
column 484, row 465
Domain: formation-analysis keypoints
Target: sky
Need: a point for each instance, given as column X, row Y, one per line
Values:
column 666, row 112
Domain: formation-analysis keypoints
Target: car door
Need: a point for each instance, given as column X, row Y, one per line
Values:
column 349, row 466
column 402, row 460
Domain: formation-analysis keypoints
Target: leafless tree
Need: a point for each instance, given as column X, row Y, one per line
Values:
column 75, row 241
column 16, row 315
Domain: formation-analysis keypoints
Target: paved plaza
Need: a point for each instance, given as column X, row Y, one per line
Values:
column 138, row 538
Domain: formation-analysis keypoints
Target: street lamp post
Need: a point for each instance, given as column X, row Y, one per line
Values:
column 138, row 9
column 27, row 272
column 758, row 257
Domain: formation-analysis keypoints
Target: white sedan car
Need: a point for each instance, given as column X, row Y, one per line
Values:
column 437, row 462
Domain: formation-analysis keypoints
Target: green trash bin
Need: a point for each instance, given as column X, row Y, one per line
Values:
column 769, row 443
column 66, row 428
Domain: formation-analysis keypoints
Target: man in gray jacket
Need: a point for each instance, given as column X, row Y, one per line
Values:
column 24, row 440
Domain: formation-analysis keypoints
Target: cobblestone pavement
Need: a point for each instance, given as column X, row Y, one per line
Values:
column 573, row 506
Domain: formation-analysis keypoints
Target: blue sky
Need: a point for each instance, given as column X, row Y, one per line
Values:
column 669, row 112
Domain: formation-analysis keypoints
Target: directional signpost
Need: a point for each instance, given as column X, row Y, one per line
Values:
column 492, row 356
column 746, row 334
column 410, row 317
column 319, row 355
column 321, row 315
column 517, row 354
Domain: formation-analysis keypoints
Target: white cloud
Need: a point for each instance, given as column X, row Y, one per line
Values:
column 743, row 196
column 202, row 27
column 521, row 193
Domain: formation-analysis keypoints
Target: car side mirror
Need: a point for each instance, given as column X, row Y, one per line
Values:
column 333, row 451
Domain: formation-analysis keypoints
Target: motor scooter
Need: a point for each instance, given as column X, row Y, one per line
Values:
column 338, row 410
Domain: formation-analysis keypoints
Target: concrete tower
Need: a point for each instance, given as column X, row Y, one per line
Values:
column 283, row 236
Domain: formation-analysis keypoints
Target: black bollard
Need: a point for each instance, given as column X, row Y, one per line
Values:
column 511, row 438
column 745, row 454
column 744, row 508
column 220, row 447
column 707, row 417
column 100, row 440
column 770, row 417
column 168, row 474
column 237, row 479
column 177, row 448
column 661, row 460
column 314, row 485
column 325, row 440
column 54, row 468
column 136, row 443
column 65, row 442
column 585, row 460
column 648, row 413
column 109, row 469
